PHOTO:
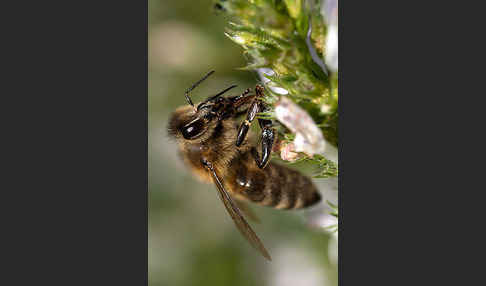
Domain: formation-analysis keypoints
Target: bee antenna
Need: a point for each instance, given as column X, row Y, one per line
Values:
column 216, row 96
column 186, row 94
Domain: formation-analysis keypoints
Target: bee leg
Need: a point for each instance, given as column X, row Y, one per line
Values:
column 245, row 125
column 242, row 98
column 268, row 138
column 239, row 103
column 256, row 106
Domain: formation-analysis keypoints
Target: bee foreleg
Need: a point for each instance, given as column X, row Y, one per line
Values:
column 245, row 125
column 242, row 98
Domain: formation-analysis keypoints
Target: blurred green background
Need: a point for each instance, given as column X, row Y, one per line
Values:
column 192, row 240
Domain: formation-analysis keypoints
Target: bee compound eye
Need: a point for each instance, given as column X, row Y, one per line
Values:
column 193, row 129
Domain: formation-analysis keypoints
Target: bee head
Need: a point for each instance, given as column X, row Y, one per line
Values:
column 193, row 129
column 190, row 124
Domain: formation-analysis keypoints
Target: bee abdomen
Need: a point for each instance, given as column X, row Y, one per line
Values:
column 276, row 186
column 288, row 189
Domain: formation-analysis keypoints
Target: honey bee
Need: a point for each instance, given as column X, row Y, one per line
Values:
column 217, row 150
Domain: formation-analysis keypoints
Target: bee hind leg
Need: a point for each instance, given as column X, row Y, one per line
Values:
column 268, row 138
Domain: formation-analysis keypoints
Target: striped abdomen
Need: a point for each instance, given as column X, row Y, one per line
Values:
column 275, row 186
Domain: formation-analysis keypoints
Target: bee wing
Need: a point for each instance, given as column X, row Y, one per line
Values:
column 247, row 211
column 237, row 217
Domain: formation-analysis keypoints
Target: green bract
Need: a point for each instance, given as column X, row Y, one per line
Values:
column 273, row 35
